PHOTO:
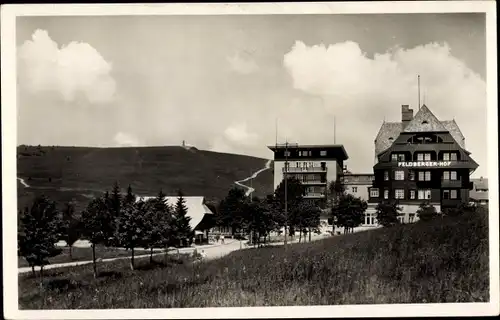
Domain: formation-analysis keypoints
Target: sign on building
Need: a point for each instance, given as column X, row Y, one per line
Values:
column 424, row 164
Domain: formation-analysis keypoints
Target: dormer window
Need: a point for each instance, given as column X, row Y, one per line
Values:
column 425, row 122
column 391, row 139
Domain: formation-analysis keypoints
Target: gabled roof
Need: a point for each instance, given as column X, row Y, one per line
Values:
column 196, row 209
column 387, row 131
column 424, row 121
column 393, row 129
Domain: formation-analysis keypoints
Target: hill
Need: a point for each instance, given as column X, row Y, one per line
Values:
column 79, row 173
column 445, row 260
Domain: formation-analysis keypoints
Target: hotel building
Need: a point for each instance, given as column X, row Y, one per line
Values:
column 359, row 185
column 314, row 165
column 421, row 159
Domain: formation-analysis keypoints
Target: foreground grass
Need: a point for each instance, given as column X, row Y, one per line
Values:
column 441, row 261
column 85, row 254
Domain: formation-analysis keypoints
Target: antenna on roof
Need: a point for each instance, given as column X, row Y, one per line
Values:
column 334, row 130
column 418, row 92
column 276, row 131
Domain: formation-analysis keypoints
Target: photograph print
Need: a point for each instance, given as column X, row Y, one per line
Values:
column 250, row 156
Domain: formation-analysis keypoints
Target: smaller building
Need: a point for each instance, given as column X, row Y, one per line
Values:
column 202, row 218
column 479, row 192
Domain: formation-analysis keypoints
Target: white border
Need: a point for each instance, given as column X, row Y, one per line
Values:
column 9, row 131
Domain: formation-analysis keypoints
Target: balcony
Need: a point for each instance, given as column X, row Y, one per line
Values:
column 313, row 182
column 305, row 169
column 451, row 183
column 311, row 195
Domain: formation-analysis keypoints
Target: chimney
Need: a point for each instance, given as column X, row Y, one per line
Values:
column 406, row 115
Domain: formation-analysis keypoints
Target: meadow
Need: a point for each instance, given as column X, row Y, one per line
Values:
column 444, row 260
column 80, row 173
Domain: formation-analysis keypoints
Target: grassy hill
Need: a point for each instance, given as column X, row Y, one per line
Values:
column 78, row 173
column 445, row 260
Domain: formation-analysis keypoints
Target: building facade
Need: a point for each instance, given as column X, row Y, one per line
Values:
column 359, row 185
column 315, row 166
column 421, row 159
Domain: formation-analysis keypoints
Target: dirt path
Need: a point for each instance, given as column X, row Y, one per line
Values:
column 253, row 176
column 213, row 251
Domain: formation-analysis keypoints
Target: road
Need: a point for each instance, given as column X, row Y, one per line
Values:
column 213, row 251
column 253, row 176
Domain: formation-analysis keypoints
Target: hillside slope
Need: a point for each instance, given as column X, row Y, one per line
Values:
column 79, row 173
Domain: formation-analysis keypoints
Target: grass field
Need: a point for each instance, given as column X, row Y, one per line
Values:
column 78, row 173
column 85, row 254
column 440, row 261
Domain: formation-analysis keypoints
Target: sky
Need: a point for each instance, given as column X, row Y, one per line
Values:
column 220, row 82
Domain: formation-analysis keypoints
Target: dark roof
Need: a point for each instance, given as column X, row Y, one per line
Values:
column 392, row 130
column 425, row 121
column 337, row 147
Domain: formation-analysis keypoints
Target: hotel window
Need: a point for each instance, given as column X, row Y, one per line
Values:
column 374, row 193
column 386, row 194
column 453, row 194
column 386, row 175
column 399, row 194
column 323, row 153
column 446, row 194
column 399, row 175
column 287, row 153
column 453, row 175
column 450, row 156
column 424, row 194
column 411, row 175
column 450, row 175
column 424, row 176
column 423, row 157
column 354, row 189
column 394, row 157
column 412, row 194
column 370, row 219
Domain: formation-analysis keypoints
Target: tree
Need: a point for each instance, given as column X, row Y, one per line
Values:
column 348, row 211
column 426, row 211
column 40, row 229
column 129, row 197
column 159, row 221
column 182, row 228
column 131, row 231
column 462, row 208
column 387, row 213
column 72, row 227
column 306, row 217
column 312, row 219
column 97, row 226
column 230, row 213
column 294, row 195
column 336, row 189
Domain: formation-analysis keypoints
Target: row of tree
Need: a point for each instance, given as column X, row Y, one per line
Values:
column 113, row 220
column 258, row 217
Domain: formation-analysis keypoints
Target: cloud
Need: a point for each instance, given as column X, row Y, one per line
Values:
column 126, row 140
column 242, row 64
column 361, row 91
column 69, row 71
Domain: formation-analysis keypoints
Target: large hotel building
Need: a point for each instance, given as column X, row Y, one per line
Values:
column 421, row 159
column 314, row 165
